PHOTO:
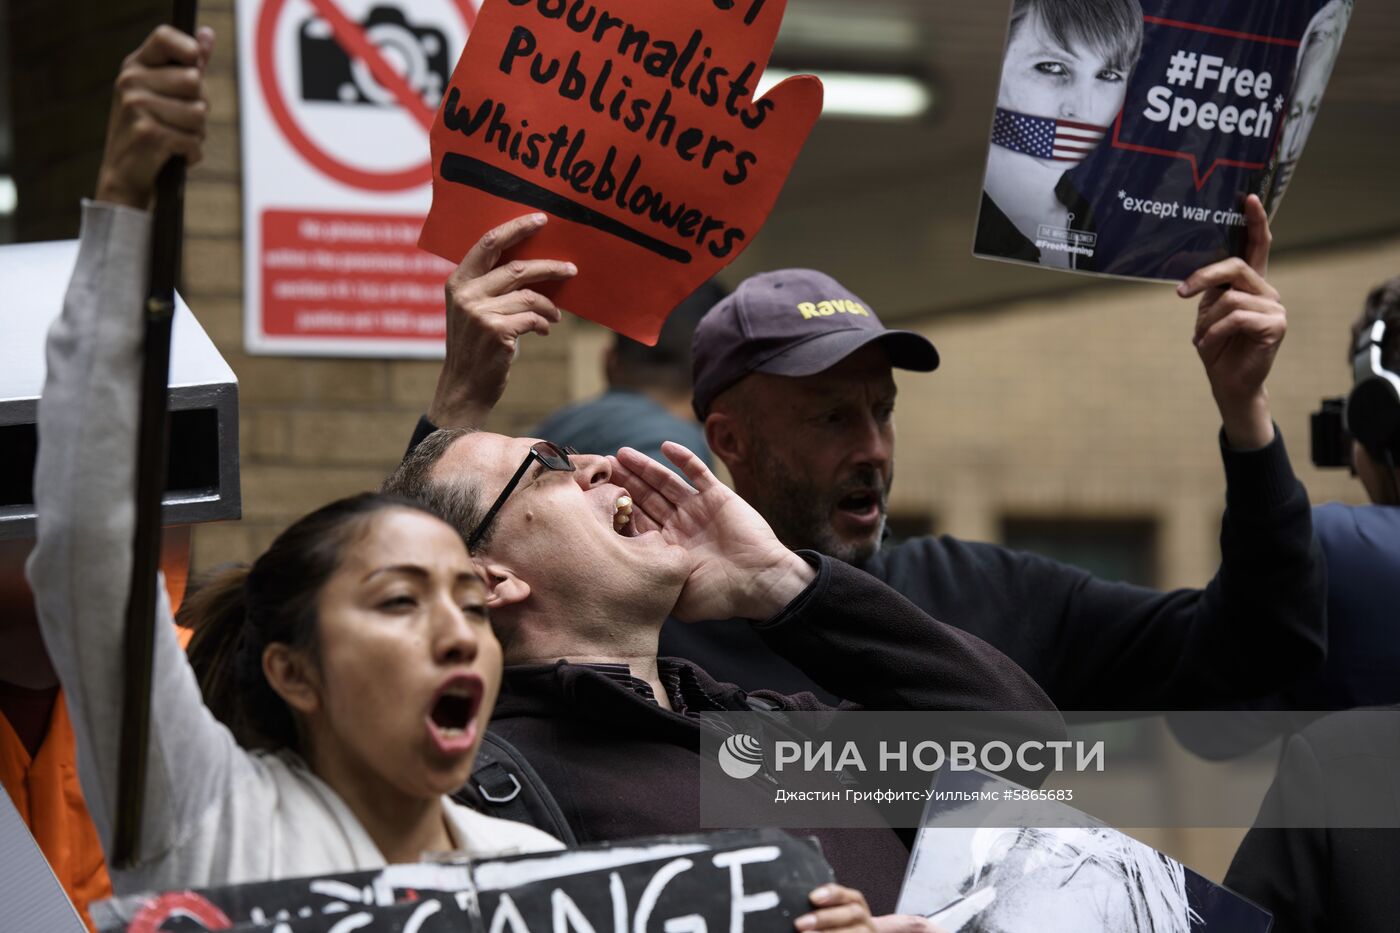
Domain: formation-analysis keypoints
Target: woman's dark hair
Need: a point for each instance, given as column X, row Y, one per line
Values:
column 236, row 611
column 1112, row 25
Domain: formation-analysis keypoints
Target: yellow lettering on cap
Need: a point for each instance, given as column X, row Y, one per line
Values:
column 808, row 310
column 826, row 309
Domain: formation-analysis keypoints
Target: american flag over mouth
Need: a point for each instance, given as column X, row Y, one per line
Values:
column 1045, row 138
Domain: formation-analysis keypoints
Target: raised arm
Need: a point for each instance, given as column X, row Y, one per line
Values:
column 490, row 306
column 85, row 475
column 1261, row 621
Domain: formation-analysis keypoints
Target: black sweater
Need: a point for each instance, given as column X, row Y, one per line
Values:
column 621, row 766
column 1096, row 645
column 1338, row 778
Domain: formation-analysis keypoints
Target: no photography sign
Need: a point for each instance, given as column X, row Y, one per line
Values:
column 338, row 98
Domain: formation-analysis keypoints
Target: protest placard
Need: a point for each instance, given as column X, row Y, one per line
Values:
column 749, row 881
column 1128, row 133
column 634, row 124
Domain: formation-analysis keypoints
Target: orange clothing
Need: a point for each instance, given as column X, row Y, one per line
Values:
column 45, row 791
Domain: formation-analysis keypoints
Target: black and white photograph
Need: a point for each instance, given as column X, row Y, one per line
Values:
column 1015, row 874
column 1321, row 45
column 1063, row 79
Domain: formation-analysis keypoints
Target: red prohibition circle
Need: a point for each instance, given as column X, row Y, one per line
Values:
column 303, row 144
column 178, row 904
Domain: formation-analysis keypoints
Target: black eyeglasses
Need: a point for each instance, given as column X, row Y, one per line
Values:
column 551, row 457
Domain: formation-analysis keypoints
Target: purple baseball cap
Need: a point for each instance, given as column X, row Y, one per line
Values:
column 793, row 322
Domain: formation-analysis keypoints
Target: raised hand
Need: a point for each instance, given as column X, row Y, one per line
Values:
column 489, row 308
column 159, row 110
column 740, row 568
column 1240, row 323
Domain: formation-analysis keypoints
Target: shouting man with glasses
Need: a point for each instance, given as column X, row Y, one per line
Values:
column 586, row 556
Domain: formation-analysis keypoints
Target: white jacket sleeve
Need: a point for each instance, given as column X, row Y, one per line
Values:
column 80, row 568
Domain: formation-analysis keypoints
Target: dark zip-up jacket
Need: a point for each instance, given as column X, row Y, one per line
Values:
column 619, row 765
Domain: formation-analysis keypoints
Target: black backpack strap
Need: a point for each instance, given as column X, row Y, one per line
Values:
column 504, row 785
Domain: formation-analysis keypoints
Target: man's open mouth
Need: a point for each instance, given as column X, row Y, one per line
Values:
column 622, row 517
column 864, row 503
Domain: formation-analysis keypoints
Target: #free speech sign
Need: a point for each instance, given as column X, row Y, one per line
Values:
column 1128, row 133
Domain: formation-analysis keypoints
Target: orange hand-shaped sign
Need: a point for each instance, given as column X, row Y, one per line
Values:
column 632, row 121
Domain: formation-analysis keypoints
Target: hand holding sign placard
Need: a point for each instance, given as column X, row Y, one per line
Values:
column 743, row 881
column 634, row 125
column 1128, row 133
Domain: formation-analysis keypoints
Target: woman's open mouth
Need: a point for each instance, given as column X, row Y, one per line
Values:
column 452, row 717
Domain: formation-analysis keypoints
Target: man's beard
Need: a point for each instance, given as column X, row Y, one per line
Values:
column 800, row 511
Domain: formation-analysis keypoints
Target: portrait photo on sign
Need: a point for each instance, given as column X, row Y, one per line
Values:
column 1046, row 868
column 1127, row 134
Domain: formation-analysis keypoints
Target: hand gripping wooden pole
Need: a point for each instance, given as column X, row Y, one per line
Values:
column 152, row 450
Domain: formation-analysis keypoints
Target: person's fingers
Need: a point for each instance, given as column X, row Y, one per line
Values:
column 168, row 45
column 155, row 138
column 190, row 116
column 1234, row 272
column 180, row 82
column 1261, row 238
column 839, row 907
column 483, row 256
column 517, row 313
column 521, row 272
column 1230, row 302
column 669, row 484
column 645, row 496
column 205, row 37
column 830, row 894
column 691, row 465
column 1262, row 328
column 831, row 918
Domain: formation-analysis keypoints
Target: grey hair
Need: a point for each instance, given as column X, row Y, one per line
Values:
column 457, row 498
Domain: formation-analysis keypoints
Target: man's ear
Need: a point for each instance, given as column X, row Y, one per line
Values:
column 727, row 438
column 503, row 587
column 293, row 677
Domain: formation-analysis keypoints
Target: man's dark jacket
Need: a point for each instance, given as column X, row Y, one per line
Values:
column 1096, row 645
column 1338, row 778
column 619, row 765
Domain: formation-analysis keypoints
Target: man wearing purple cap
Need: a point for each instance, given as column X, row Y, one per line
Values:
column 793, row 383
column 800, row 340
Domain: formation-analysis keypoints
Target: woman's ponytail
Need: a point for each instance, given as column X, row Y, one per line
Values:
column 216, row 610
